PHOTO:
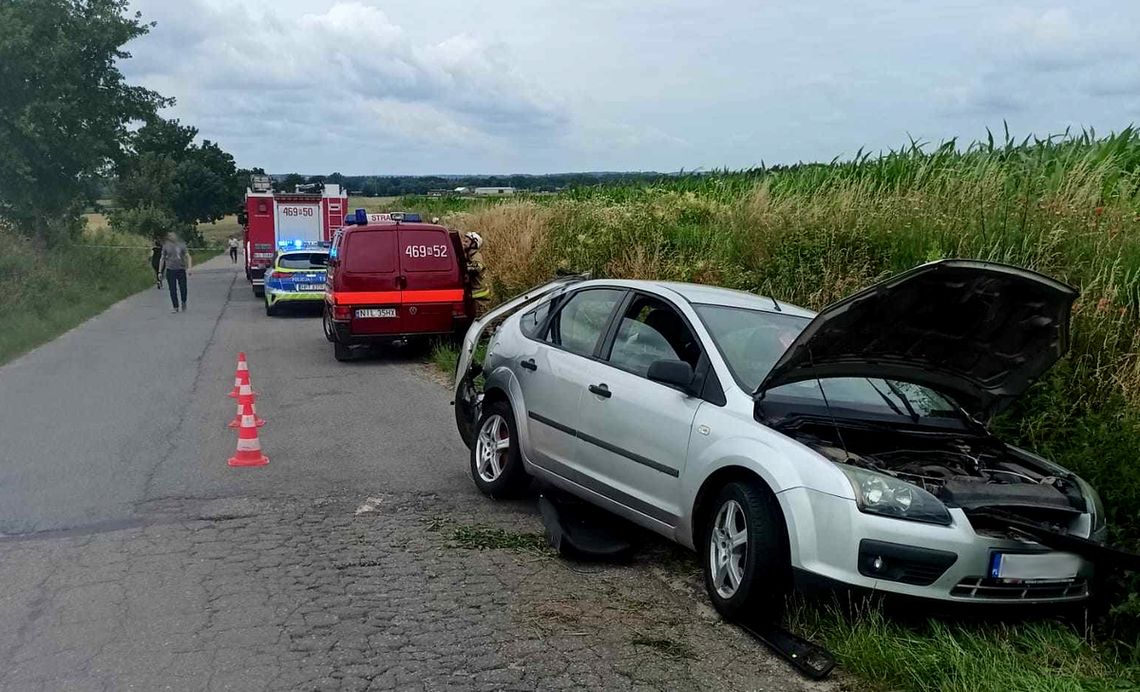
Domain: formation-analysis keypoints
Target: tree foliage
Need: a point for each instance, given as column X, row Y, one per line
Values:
column 165, row 170
column 65, row 108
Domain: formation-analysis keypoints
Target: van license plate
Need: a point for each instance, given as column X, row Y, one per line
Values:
column 1031, row 567
column 376, row 312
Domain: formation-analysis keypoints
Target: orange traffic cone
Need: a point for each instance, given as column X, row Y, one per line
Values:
column 245, row 407
column 241, row 376
column 248, row 446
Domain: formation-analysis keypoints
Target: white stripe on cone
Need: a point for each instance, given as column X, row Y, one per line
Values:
column 245, row 445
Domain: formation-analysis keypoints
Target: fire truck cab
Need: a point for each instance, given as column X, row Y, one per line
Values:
column 278, row 221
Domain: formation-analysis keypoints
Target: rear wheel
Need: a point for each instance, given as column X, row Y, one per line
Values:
column 326, row 322
column 259, row 291
column 342, row 352
column 744, row 553
column 496, row 463
column 270, row 309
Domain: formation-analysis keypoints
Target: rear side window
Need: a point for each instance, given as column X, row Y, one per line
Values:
column 303, row 260
column 426, row 251
column 579, row 325
column 370, row 252
column 530, row 322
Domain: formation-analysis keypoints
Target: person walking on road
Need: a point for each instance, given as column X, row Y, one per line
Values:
column 176, row 263
column 233, row 249
column 156, row 261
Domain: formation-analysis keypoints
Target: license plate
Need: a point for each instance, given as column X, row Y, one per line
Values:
column 376, row 312
column 1033, row 567
column 310, row 287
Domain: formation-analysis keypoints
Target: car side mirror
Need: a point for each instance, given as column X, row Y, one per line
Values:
column 675, row 373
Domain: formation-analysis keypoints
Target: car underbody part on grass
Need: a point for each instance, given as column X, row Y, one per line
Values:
column 579, row 530
column 810, row 659
column 1098, row 553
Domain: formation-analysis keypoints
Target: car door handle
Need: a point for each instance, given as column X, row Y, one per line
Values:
column 529, row 364
column 601, row 390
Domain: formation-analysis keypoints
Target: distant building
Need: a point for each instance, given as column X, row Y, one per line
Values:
column 437, row 192
column 492, row 191
column 462, row 190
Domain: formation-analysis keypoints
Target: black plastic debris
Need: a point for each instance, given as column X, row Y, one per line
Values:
column 580, row 531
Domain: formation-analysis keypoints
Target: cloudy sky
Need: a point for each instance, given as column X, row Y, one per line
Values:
column 533, row 86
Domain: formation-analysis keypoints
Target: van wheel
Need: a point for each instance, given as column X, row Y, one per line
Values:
column 744, row 553
column 496, row 464
column 326, row 322
column 342, row 352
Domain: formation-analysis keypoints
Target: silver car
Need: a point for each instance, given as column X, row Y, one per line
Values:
column 845, row 448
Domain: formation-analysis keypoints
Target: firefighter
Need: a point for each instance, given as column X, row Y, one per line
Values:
column 472, row 244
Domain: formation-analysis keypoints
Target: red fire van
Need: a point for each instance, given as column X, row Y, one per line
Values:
column 393, row 280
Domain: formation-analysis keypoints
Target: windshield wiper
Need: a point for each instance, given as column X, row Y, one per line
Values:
column 902, row 397
column 886, row 398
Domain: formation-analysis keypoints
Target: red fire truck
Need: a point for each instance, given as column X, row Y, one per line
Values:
column 275, row 221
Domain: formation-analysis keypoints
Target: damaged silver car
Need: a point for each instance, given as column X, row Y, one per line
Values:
column 847, row 447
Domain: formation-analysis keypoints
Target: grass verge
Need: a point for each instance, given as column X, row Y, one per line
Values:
column 49, row 291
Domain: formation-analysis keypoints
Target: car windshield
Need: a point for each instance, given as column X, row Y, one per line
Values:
column 303, row 260
column 751, row 341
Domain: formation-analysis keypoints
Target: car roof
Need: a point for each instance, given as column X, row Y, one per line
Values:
column 391, row 225
column 715, row 295
column 303, row 250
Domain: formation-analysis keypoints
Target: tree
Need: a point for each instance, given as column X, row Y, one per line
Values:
column 165, row 170
column 65, row 107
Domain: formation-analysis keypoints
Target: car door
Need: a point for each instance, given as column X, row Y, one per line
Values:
column 368, row 280
column 549, row 371
column 635, row 432
column 429, row 277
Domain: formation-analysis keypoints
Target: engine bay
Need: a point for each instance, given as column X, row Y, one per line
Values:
column 962, row 469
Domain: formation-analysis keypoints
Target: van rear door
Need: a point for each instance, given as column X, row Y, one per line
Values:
column 433, row 287
column 368, row 280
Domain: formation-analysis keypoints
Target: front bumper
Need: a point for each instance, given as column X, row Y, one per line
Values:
column 831, row 540
column 274, row 296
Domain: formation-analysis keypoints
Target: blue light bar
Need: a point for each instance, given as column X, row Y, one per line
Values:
column 361, row 217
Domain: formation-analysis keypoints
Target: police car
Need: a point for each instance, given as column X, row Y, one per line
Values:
column 296, row 277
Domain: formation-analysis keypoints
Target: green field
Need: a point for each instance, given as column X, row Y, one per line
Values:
column 811, row 234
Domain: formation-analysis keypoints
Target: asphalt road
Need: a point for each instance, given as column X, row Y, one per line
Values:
column 361, row 557
column 131, row 407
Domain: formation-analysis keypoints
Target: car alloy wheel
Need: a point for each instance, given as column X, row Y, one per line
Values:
column 492, row 448
column 728, row 548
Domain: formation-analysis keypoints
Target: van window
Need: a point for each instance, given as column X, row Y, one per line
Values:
column 426, row 251
column 370, row 252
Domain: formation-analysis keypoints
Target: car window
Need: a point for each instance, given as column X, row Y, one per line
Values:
column 579, row 325
column 303, row 260
column 370, row 252
column 530, row 322
column 651, row 330
column 751, row 341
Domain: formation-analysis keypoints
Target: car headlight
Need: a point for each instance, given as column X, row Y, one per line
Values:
column 876, row 493
column 1095, row 505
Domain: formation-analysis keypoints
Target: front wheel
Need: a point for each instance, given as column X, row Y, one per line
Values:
column 496, row 463
column 745, row 553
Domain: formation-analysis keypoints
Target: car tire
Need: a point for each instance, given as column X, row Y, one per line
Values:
column 259, row 291
column 497, row 469
column 270, row 310
column 326, row 323
column 749, row 580
column 342, row 352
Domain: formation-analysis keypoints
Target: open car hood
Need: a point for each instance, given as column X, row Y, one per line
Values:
column 976, row 331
